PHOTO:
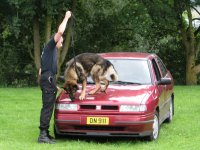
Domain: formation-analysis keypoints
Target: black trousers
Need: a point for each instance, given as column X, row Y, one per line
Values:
column 49, row 91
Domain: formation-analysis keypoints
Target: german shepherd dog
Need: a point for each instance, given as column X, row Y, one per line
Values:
column 83, row 66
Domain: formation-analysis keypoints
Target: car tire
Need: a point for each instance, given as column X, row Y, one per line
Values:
column 57, row 135
column 171, row 112
column 156, row 128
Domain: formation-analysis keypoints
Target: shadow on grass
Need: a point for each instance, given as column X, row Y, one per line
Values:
column 100, row 139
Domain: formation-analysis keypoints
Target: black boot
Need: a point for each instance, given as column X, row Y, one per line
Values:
column 50, row 137
column 43, row 138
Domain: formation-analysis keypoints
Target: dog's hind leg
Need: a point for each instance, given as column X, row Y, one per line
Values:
column 97, row 88
column 97, row 85
column 106, row 82
column 96, row 70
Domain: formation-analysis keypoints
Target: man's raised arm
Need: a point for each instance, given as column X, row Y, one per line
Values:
column 62, row 27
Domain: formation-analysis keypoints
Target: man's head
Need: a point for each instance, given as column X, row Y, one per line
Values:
column 59, row 43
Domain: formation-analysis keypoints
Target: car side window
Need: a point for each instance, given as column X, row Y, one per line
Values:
column 156, row 70
column 162, row 67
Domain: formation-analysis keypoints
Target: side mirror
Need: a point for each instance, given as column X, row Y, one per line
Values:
column 164, row 81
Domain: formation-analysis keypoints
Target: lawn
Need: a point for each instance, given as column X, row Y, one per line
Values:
column 19, row 121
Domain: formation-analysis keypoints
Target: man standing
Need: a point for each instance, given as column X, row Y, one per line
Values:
column 48, row 82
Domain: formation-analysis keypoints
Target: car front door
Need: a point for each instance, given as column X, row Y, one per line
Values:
column 168, row 88
column 161, row 90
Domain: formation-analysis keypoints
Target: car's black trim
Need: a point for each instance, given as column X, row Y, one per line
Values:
column 117, row 134
column 107, row 134
column 134, row 122
column 56, row 120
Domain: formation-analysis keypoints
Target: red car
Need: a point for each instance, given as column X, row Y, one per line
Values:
column 136, row 105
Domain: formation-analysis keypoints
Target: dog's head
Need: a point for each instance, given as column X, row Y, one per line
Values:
column 71, row 88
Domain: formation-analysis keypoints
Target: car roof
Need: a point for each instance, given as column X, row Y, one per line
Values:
column 128, row 55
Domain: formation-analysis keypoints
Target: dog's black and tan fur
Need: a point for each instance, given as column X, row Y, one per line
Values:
column 83, row 66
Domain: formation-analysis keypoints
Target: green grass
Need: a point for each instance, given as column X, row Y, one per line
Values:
column 19, row 121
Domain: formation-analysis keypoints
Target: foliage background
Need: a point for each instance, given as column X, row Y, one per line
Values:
column 99, row 26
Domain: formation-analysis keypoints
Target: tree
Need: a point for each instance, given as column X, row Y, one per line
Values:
column 111, row 25
column 190, row 37
column 40, row 14
column 163, row 36
column 26, row 26
column 14, row 45
column 100, row 26
column 50, row 10
column 63, row 52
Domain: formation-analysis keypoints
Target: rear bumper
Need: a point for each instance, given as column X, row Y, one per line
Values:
column 119, row 125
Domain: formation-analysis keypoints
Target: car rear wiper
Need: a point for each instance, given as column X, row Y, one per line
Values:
column 126, row 82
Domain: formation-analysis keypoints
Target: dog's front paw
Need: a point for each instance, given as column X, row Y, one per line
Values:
column 82, row 97
column 103, row 90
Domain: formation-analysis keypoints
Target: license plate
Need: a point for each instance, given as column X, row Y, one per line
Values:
column 98, row 120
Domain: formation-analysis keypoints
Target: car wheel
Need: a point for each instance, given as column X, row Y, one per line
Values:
column 156, row 128
column 171, row 112
column 57, row 135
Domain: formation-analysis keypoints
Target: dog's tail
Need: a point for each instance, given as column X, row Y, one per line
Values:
column 113, row 73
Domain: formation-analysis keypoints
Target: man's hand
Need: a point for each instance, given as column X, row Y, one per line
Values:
column 61, row 29
column 68, row 14
column 59, row 89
